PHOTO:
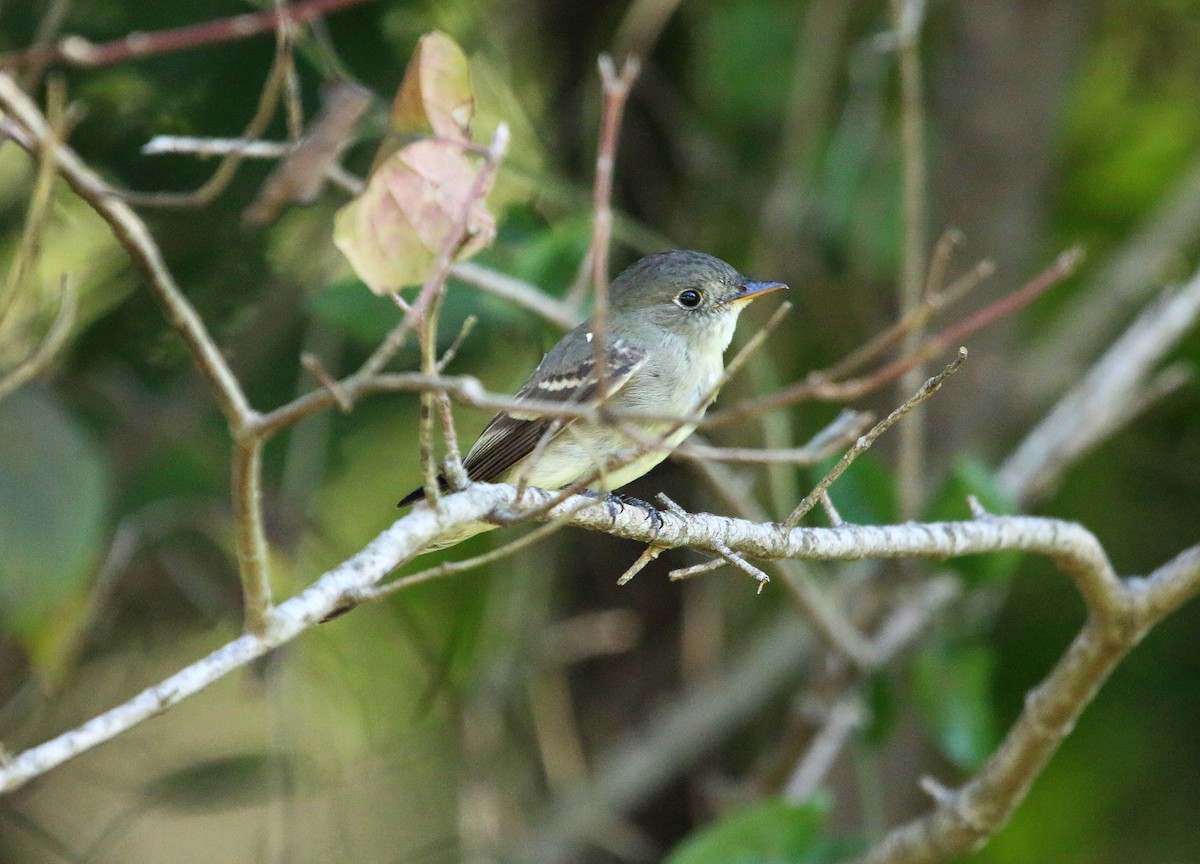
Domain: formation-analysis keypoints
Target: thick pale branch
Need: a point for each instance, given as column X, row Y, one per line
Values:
column 965, row 819
column 1072, row 547
column 1086, row 322
column 250, row 537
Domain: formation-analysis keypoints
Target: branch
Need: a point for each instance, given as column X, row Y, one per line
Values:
column 822, row 386
column 616, row 93
column 1113, row 391
column 48, row 348
column 864, row 443
column 78, row 51
column 1086, row 322
column 132, row 234
column 558, row 312
column 1120, row 613
column 906, row 29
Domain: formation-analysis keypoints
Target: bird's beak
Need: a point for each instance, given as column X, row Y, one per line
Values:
column 751, row 290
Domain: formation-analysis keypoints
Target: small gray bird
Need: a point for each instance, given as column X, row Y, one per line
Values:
column 671, row 317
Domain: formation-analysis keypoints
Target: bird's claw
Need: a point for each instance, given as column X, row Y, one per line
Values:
column 653, row 515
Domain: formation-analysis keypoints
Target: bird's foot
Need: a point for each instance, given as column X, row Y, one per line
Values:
column 653, row 515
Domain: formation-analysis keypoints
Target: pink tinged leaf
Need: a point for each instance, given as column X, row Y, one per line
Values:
column 434, row 97
column 446, row 87
column 394, row 230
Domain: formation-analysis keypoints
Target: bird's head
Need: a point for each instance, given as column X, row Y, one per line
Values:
column 687, row 293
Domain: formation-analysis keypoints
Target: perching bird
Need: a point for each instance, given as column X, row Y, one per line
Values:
column 671, row 317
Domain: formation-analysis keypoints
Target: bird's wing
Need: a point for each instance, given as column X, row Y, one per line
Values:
column 512, row 435
column 566, row 375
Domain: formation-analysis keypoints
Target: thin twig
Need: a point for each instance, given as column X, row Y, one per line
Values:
column 887, row 339
column 616, row 93
column 681, row 573
column 313, row 366
column 939, row 263
column 448, row 568
column 42, row 50
column 48, row 348
column 424, row 309
column 727, row 554
column 864, row 443
column 649, row 554
column 207, row 192
column 535, row 455
column 21, row 268
column 842, row 719
column 817, row 386
column 559, row 313
column 287, row 30
column 456, row 475
column 907, row 17
column 450, row 353
column 831, row 512
column 205, row 147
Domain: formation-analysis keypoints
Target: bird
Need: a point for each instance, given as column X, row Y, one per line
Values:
column 671, row 316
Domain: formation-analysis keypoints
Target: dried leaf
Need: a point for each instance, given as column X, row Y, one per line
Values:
column 394, row 230
column 435, row 96
column 300, row 176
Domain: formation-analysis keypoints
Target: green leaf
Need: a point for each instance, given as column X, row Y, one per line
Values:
column 225, row 782
column 768, row 832
column 953, row 688
column 879, row 695
column 973, row 477
column 53, row 496
column 354, row 312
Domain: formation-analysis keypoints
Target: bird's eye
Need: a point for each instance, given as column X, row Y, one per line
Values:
column 689, row 298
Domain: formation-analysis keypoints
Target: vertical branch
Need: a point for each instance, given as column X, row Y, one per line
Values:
column 616, row 94
column 131, row 232
column 41, row 53
column 906, row 26
column 250, row 536
column 285, row 34
column 425, row 308
column 24, row 261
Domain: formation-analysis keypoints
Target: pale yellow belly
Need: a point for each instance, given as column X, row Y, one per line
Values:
column 578, row 453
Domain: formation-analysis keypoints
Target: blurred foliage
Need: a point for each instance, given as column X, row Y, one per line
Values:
column 771, row 831
column 763, row 131
column 54, row 529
